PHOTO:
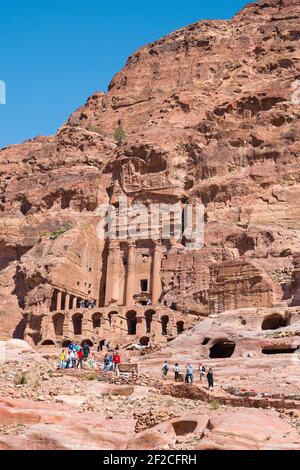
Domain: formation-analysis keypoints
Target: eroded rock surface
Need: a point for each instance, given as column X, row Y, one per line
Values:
column 206, row 114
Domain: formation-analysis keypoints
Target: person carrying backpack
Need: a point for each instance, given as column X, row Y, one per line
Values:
column 202, row 370
column 165, row 370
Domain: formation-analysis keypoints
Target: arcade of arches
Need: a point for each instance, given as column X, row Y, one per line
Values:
column 121, row 326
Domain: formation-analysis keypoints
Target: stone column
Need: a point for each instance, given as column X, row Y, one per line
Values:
column 112, row 277
column 156, row 279
column 67, row 330
column 86, row 330
column 74, row 303
column 141, row 326
column 58, row 302
column 67, row 302
column 130, row 274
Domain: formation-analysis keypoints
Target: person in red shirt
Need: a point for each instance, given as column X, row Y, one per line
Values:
column 80, row 358
column 117, row 362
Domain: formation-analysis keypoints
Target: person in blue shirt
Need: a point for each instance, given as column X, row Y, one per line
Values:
column 189, row 378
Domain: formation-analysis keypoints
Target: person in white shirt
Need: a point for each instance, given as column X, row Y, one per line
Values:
column 202, row 370
column 177, row 372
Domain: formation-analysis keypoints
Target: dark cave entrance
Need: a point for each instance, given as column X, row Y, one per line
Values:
column 274, row 322
column 131, row 323
column 164, row 324
column 222, row 350
column 58, row 323
column 274, row 351
column 180, row 327
column 77, row 324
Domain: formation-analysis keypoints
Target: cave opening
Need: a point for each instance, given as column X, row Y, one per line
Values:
column 180, row 327
column 274, row 322
column 149, row 318
column 182, row 428
column 205, row 341
column 222, row 350
column 164, row 324
column 144, row 341
column 274, row 351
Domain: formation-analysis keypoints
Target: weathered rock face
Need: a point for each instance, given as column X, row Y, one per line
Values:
column 236, row 284
column 205, row 114
column 296, row 299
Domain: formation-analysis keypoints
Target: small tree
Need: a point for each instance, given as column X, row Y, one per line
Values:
column 120, row 135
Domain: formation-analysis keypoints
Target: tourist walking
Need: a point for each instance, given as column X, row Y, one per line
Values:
column 62, row 359
column 110, row 362
column 177, row 372
column 106, row 362
column 68, row 360
column 165, row 370
column 92, row 363
column 189, row 376
column 117, row 362
column 86, row 351
column 72, row 359
column 210, row 379
column 79, row 359
column 202, row 370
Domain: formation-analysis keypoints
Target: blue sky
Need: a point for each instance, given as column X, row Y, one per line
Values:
column 56, row 53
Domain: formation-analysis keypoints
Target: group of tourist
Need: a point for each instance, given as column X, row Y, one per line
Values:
column 87, row 303
column 74, row 357
column 79, row 357
column 112, row 362
column 189, row 374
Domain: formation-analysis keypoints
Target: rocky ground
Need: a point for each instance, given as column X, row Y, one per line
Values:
column 211, row 116
column 44, row 408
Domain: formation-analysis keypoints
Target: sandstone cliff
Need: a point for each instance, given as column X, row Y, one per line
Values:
column 207, row 114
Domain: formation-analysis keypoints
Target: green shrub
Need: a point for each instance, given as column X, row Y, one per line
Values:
column 21, row 379
column 95, row 129
column 57, row 233
column 215, row 405
column 90, row 376
column 120, row 135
